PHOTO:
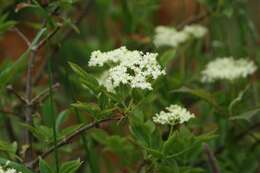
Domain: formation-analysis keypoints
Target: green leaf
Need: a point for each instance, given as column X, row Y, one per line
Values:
column 179, row 143
column 47, row 112
column 5, row 25
column 44, row 167
column 86, row 79
column 139, row 132
column 201, row 94
column 8, row 74
column 41, row 132
column 238, row 98
column 70, row 166
column 116, row 144
column 89, row 107
column 61, row 118
column 207, row 136
column 18, row 167
column 246, row 115
column 99, row 135
column 167, row 57
column 69, row 130
column 38, row 37
column 8, row 147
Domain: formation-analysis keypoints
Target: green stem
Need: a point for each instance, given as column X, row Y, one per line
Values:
column 56, row 155
column 183, row 65
column 79, row 120
column 171, row 131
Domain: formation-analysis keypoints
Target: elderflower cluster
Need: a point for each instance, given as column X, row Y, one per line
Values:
column 167, row 36
column 175, row 114
column 4, row 169
column 133, row 68
column 227, row 68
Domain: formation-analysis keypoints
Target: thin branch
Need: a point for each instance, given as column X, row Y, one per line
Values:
column 29, row 84
column 192, row 20
column 211, row 159
column 7, row 112
column 25, row 39
column 78, row 19
column 44, row 41
column 28, row 107
column 43, row 95
column 141, row 165
column 247, row 131
column 68, row 139
column 10, row 89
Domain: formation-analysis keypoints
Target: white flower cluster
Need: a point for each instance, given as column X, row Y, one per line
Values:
column 133, row 68
column 8, row 170
column 167, row 36
column 175, row 115
column 227, row 68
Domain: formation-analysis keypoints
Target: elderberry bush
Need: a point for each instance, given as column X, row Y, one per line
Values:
column 129, row 86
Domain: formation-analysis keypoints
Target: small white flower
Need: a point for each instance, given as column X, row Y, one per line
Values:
column 133, row 68
column 8, row 170
column 196, row 31
column 7, row 162
column 227, row 68
column 168, row 36
column 175, row 114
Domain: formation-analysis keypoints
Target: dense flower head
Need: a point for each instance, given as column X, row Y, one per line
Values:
column 133, row 68
column 5, row 169
column 168, row 36
column 174, row 114
column 228, row 68
column 196, row 31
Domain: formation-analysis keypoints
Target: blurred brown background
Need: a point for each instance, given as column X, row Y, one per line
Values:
column 171, row 12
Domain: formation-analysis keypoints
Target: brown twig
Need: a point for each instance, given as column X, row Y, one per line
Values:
column 211, row 159
column 28, row 93
column 7, row 112
column 141, row 165
column 10, row 89
column 67, row 139
column 192, row 20
column 43, row 95
column 25, row 39
column 28, row 106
